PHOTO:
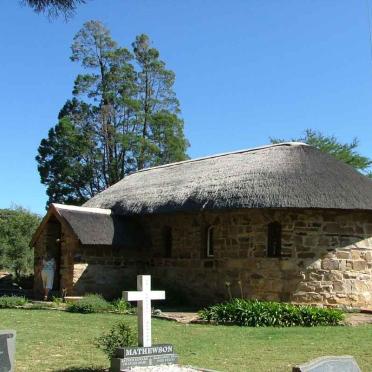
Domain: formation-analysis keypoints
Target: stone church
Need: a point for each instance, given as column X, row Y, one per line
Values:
column 282, row 222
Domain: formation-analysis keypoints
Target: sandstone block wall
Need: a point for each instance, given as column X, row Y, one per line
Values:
column 106, row 270
column 326, row 258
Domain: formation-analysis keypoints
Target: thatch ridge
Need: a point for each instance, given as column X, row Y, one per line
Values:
column 61, row 207
column 219, row 155
column 286, row 175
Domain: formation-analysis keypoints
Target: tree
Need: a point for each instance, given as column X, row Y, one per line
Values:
column 157, row 105
column 16, row 228
column 54, row 7
column 346, row 152
column 68, row 159
column 124, row 117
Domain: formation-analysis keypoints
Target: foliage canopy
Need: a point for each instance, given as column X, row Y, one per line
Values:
column 16, row 228
column 54, row 7
column 346, row 152
column 124, row 116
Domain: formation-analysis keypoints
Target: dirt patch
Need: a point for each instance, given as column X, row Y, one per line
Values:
column 180, row 317
column 355, row 319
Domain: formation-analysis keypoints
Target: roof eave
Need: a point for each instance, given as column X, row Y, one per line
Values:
column 52, row 211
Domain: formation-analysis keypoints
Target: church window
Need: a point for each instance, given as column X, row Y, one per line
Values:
column 274, row 239
column 167, row 241
column 210, row 241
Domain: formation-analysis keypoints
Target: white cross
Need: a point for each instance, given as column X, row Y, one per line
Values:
column 143, row 296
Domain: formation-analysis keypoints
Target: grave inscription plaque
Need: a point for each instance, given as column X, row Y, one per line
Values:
column 345, row 363
column 7, row 350
column 128, row 357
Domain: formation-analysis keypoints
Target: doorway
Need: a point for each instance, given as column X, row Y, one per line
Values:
column 53, row 246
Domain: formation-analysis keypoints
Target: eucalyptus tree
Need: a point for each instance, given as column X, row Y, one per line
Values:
column 124, row 116
column 159, row 126
column 108, row 84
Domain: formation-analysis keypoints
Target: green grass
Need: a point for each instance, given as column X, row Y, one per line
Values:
column 60, row 341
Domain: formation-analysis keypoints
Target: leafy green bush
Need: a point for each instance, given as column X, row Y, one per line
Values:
column 120, row 335
column 17, row 225
column 12, row 301
column 91, row 303
column 58, row 302
column 121, row 306
column 253, row 313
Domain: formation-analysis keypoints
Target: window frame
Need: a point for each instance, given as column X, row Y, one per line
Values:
column 274, row 240
column 209, row 237
column 167, row 241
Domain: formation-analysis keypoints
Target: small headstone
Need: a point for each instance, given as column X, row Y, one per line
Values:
column 7, row 350
column 344, row 363
column 128, row 357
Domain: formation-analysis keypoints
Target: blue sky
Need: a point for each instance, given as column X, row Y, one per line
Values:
column 246, row 70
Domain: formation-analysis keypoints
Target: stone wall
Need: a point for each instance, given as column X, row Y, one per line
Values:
column 107, row 270
column 326, row 258
column 86, row 269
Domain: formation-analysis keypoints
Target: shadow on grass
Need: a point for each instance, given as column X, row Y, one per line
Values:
column 83, row 369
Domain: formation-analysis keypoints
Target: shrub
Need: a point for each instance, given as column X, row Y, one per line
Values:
column 253, row 313
column 120, row 335
column 58, row 302
column 12, row 301
column 91, row 303
column 17, row 226
column 121, row 306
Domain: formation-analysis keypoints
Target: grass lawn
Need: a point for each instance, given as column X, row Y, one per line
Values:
column 58, row 341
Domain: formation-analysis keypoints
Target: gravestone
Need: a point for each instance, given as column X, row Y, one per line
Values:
column 128, row 357
column 344, row 363
column 7, row 350
column 145, row 354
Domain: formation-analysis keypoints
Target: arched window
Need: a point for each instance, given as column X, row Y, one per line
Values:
column 167, row 241
column 210, row 242
column 274, row 239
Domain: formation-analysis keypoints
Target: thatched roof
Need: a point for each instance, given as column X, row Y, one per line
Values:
column 94, row 226
column 287, row 175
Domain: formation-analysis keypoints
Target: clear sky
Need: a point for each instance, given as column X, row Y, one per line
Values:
column 245, row 71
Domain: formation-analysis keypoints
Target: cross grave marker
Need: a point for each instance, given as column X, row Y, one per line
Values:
column 145, row 354
column 143, row 296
